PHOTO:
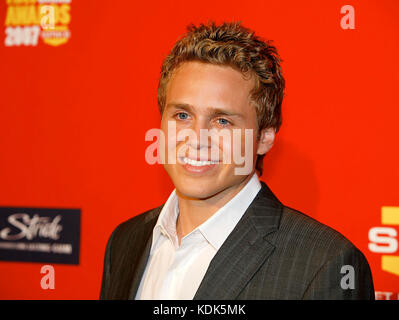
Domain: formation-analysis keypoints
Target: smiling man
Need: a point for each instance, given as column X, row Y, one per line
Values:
column 222, row 233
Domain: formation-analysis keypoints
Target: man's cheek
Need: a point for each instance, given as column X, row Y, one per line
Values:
column 243, row 153
column 167, row 150
column 227, row 149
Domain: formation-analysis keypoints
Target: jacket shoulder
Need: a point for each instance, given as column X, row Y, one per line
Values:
column 302, row 228
column 308, row 260
column 130, row 234
column 140, row 219
column 304, row 238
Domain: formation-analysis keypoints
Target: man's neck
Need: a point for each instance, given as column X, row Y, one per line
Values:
column 193, row 212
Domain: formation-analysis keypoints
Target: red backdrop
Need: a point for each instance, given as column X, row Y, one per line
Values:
column 74, row 113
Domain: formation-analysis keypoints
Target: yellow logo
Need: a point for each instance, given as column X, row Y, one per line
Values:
column 27, row 21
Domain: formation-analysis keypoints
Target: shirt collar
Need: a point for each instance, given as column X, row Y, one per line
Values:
column 166, row 223
column 218, row 227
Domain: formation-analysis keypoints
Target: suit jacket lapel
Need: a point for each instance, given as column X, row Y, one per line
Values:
column 139, row 267
column 244, row 251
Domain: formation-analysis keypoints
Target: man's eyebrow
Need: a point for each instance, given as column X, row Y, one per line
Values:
column 223, row 112
column 210, row 110
column 175, row 105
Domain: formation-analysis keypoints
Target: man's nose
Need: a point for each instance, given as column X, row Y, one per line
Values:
column 199, row 140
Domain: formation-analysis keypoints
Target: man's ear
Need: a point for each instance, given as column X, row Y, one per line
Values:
column 266, row 141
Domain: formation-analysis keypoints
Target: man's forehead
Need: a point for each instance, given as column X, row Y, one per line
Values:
column 211, row 72
column 209, row 88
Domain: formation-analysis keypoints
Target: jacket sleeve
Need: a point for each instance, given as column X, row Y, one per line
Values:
column 345, row 276
column 107, row 268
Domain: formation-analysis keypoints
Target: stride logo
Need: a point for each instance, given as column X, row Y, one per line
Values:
column 40, row 235
column 385, row 239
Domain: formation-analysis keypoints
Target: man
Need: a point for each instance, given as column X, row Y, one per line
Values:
column 222, row 234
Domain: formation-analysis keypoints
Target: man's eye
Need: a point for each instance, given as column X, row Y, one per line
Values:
column 223, row 122
column 182, row 116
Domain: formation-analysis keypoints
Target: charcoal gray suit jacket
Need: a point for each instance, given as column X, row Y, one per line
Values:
column 274, row 252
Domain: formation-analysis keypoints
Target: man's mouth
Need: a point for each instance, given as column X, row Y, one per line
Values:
column 198, row 163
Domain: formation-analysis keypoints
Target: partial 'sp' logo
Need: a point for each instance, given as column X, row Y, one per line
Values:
column 384, row 239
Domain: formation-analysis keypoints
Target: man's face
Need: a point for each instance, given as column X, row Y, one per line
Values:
column 206, row 96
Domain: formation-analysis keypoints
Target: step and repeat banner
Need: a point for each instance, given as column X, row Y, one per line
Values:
column 78, row 92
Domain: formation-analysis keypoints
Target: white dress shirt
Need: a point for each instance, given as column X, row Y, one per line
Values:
column 175, row 272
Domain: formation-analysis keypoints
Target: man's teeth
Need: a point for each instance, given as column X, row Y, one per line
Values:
column 196, row 163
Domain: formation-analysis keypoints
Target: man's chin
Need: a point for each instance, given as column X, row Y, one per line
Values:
column 196, row 192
